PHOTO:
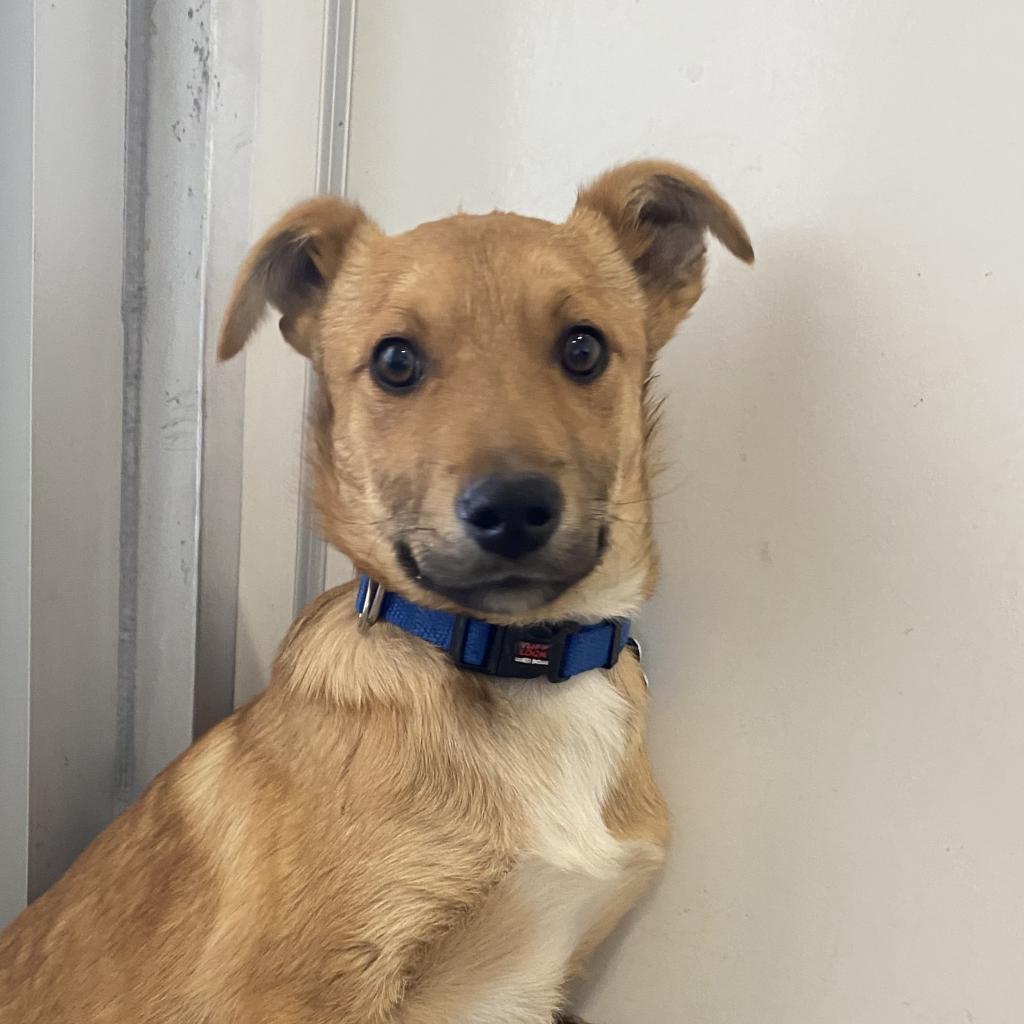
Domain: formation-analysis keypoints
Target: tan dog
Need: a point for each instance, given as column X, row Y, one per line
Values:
column 383, row 836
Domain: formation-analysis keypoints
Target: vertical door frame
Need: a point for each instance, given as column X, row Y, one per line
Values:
column 332, row 173
column 17, row 61
column 129, row 211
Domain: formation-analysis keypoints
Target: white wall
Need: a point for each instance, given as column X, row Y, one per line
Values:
column 836, row 650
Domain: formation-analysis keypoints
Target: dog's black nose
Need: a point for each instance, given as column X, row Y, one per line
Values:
column 510, row 515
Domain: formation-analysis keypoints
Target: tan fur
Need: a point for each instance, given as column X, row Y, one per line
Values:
column 381, row 837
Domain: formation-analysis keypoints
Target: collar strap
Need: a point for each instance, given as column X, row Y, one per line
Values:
column 556, row 650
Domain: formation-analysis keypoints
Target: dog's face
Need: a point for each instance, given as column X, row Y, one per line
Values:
column 481, row 442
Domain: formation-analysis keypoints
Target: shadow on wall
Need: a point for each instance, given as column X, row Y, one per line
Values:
column 251, row 677
column 747, row 514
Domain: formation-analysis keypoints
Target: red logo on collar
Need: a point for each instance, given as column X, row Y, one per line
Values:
column 530, row 652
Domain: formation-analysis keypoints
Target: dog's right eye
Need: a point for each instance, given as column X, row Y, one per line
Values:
column 584, row 353
column 396, row 365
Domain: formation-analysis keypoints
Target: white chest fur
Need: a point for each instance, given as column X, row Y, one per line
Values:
column 580, row 738
column 560, row 753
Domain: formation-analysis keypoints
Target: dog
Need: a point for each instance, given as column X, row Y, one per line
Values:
column 441, row 804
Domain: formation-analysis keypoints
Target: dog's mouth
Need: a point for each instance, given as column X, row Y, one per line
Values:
column 497, row 588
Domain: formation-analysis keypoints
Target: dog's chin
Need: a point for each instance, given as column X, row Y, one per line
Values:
column 515, row 592
column 512, row 595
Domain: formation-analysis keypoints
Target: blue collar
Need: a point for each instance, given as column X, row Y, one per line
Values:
column 557, row 650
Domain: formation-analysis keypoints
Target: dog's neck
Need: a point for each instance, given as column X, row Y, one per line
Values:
column 327, row 657
column 556, row 651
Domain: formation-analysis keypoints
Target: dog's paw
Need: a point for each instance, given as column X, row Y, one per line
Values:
column 567, row 1018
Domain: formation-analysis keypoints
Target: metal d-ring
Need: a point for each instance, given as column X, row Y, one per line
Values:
column 369, row 608
column 639, row 651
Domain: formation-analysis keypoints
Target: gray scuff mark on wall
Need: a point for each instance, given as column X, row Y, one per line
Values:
column 133, row 305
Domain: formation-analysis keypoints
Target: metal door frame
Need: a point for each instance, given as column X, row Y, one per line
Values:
column 122, row 451
column 332, row 176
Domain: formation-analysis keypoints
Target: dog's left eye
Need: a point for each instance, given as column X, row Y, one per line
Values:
column 396, row 365
column 584, row 353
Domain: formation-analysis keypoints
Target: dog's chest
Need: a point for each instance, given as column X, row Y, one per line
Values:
column 565, row 755
column 577, row 740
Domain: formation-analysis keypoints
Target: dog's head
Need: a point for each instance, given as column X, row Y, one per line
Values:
column 481, row 442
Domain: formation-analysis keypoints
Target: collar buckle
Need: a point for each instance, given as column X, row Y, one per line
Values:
column 517, row 652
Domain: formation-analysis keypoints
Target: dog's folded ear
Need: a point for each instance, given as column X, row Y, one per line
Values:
column 291, row 268
column 660, row 214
